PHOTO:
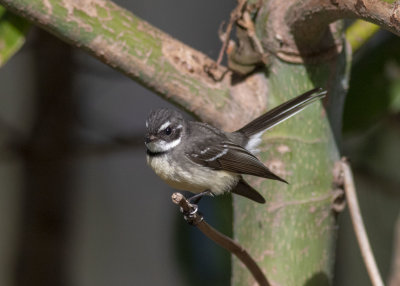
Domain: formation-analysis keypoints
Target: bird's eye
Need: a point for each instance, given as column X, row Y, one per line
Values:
column 168, row 131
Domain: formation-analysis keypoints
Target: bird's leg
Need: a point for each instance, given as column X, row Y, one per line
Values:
column 196, row 198
column 193, row 200
column 190, row 216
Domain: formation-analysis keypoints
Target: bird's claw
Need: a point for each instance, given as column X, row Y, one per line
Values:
column 192, row 215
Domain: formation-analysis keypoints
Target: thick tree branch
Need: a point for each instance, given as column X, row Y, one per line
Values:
column 303, row 16
column 143, row 52
column 303, row 29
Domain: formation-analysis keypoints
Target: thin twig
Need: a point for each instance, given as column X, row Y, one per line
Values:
column 358, row 224
column 193, row 217
column 235, row 15
column 394, row 278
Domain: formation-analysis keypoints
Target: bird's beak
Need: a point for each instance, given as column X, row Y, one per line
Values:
column 150, row 138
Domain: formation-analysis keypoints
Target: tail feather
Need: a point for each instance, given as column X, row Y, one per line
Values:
column 281, row 112
column 245, row 190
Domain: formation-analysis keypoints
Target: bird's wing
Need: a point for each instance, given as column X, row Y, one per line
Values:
column 231, row 157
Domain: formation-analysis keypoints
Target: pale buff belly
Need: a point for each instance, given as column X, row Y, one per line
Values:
column 195, row 180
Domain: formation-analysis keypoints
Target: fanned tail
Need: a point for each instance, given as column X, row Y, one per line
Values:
column 281, row 112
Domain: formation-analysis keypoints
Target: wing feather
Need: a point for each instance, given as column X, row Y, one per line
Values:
column 233, row 158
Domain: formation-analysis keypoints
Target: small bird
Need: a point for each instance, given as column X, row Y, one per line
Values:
column 197, row 157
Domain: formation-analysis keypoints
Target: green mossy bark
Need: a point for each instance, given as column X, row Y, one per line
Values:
column 132, row 46
column 293, row 235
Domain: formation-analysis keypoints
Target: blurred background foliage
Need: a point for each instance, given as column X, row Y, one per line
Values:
column 371, row 140
column 12, row 34
column 79, row 207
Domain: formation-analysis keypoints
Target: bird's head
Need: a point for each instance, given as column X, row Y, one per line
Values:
column 165, row 128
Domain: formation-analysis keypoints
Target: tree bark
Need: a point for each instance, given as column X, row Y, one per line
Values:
column 293, row 235
column 167, row 66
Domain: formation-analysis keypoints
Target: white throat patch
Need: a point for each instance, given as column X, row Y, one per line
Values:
column 162, row 146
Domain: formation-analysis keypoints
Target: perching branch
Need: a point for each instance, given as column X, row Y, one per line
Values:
column 194, row 218
column 358, row 224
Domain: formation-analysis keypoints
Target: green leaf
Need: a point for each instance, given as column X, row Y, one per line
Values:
column 12, row 34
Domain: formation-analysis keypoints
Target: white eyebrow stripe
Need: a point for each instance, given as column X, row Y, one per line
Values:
column 165, row 125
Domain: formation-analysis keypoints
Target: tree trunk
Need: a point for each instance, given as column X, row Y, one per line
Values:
column 293, row 235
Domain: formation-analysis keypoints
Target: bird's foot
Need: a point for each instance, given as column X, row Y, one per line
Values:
column 196, row 198
column 190, row 216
